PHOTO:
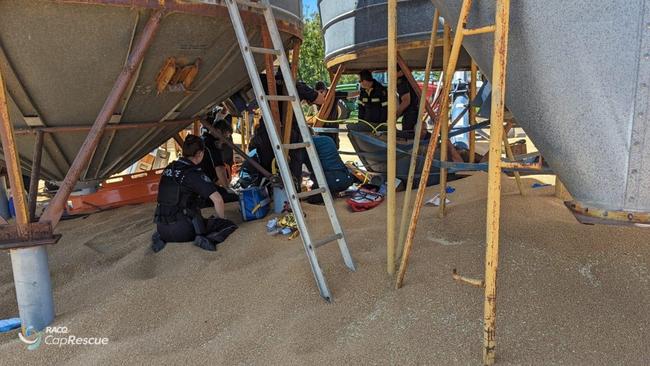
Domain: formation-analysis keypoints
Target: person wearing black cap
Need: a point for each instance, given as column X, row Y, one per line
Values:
column 183, row 186
column 373, row 102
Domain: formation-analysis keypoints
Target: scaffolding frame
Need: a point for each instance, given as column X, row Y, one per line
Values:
column 495, row 165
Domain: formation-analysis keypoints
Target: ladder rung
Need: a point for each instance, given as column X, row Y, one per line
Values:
column 313, row 192
column 268, row 51
column 280, row 98
column 298, row 145
column 486, row 29
column 251, row 4
column 329, row 239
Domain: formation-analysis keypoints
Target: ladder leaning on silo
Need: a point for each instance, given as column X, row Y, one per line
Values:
column 279, row 148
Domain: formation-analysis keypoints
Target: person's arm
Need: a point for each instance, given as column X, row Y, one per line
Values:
column 204, row 187
column 309, row 95
column 404, row 102
column 217, row 200
column 222, row 176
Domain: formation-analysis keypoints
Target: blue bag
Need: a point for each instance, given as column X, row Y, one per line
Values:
column 254, row 203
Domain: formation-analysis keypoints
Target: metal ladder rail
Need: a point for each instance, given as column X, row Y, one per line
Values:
column 294, row 197
column 306, row 135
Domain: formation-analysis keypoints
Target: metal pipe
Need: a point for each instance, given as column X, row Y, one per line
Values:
column 450, row 59
column 35, row 175
column 418, row 129
column 472, row 111
column 110, row 127
column 29, row 265
column 494, row 179
column 444, row 107
column 392, row 135
column 55, row 209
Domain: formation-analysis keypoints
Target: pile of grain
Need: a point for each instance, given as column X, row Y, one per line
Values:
column 568, row 293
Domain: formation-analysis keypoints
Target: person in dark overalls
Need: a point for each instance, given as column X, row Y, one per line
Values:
column 373, row 103
column 408, row 105
column 183, row 185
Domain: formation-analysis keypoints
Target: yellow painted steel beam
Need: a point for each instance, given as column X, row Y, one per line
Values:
column 502, row 18
column 482, row 30
column 392, row 135
column 418, row 134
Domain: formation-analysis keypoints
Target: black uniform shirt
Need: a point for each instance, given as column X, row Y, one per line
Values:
column 212, row 157
column 373, row 103
column 403, row 87
column 194, row 185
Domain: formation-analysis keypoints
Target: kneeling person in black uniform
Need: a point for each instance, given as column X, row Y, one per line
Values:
column 183, row 186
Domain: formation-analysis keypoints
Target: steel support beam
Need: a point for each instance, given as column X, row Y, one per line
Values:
column 392, row 136
column 121, row 126
column 29, row 265
column 35, row 175
column 502, row 20
column 423, row 102
column 55, row 209
column 330, row 97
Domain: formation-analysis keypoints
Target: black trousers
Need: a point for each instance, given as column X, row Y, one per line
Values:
column 184, row 230
column 409, row 120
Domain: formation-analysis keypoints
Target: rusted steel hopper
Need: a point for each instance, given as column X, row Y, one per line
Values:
column 60, row 59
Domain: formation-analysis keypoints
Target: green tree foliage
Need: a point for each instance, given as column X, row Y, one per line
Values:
column 312, row 54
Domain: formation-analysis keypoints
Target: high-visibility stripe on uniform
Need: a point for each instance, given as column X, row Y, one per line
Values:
column 375, row 100
column 384, row 104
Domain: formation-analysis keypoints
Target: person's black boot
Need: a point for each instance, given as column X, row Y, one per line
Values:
column 204, row 243
column 157, row 244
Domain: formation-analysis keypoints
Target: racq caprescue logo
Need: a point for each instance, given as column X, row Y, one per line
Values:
column 57, row 336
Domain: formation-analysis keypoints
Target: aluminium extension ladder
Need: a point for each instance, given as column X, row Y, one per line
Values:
column 278, row 147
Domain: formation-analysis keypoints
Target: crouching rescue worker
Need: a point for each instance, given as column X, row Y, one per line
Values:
column 183, row 185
